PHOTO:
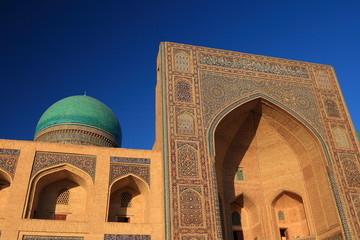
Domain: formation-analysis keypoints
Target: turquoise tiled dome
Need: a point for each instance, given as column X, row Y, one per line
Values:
column 82, row 111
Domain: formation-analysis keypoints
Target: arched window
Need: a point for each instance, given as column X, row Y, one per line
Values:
column 126, row 198
column 281, row 215
column 63, row 197
column 235, row 218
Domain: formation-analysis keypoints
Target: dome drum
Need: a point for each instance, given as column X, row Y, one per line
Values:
column 77, row 135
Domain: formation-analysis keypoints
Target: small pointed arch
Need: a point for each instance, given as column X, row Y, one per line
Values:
column 5, row 182
column 191, row 213
column 60, row 193
column 128, row 200
column 249, row 215
column 244, row 201
column 285, row 191
column 185, row 123
column 187, row 161
column 182, row 61
column 289, row 212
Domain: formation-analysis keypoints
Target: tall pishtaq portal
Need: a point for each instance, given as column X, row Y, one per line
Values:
column 247, row 147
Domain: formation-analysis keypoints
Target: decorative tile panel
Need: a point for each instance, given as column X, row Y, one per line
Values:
column 356, row 200
column 351, row 168
column 179, row 144
column 297, row 97
column 185, row 123
column 182, row 60
column 252, row 65
column 192, row 237
column 47, row 159
column 183, row 90
column 8, row 160
column 118, row 170
column 331, row 108
column 187, row 162
column 336, row 236
column 126, row 237
column 340, row 138
column 322, row 79
column 191, row 207
column 38, row 237
column 5, row 151
column 130, row 160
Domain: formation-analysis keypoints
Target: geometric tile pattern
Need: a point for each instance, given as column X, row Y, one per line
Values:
column 322, row 79
column 180, row 144
column 188, row 162
column 118, row 170
column 340, row 137
column 47, row 159
column 297, row 97
column 8, row 160
column 356, row 200
column 185, row 123
column 331, row 108
column 337, row 236
column 191, row 208
column 126, row 237
column 192, row 237
column 129, row 160
column 182, row 61
column 183, row 91
column 37, row 237
column 350, row 166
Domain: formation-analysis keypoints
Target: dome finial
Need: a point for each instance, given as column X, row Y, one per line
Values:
column 84, row 93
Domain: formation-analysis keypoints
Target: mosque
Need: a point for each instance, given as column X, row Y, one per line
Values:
column 247, row 147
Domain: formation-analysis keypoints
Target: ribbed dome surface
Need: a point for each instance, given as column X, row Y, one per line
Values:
column 82, row 111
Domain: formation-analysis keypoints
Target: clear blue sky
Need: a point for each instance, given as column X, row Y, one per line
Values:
column 58, row 48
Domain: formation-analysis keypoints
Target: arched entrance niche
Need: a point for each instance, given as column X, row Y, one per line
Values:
column 245, row 218
column 261, row 149
column 128, row 200
column 5, row 181
column 290, row 214
column 60, row 193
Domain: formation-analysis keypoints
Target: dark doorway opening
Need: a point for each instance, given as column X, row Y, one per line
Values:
column 238, row 235
column 123, row 219
column 283, row 233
